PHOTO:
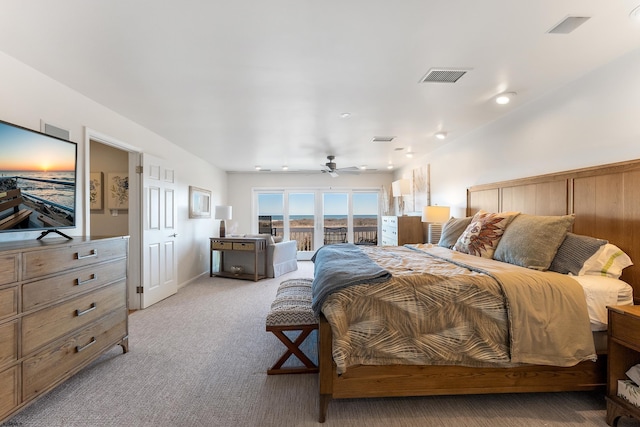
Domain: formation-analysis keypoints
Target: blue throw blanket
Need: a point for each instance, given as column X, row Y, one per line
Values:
column 341, row 265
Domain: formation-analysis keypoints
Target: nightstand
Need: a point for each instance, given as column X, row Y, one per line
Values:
column 623, row 353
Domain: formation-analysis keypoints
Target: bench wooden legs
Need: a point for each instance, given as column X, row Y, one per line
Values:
column 293, row 348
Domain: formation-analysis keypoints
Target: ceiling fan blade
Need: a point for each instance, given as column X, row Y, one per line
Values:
column 333, row 174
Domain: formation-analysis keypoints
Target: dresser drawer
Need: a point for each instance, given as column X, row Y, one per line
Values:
column 625, row 328
column 50, row 323
column 70, row 354
column 240, row 246
column 9, row 340
column 36, row 294
column 390, row 220
column 9, row 380
column 219, row 246
column 8, row 302
column 388, row 230
column 40, row 263
column 8, row 269
column 389, row 241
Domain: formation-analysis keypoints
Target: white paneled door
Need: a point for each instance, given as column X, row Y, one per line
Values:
column 159, row 254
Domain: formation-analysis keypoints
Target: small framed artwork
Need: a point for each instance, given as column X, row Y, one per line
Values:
column 199, row 202
column 95, row 190
column 118, row 190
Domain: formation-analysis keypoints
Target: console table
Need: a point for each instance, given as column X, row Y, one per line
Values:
column 247, row 245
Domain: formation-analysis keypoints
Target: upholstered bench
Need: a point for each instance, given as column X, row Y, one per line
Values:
column 291, row 311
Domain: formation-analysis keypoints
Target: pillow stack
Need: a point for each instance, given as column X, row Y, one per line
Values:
column 534, row 241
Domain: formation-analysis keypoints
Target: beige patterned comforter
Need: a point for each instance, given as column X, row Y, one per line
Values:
column 445, row 310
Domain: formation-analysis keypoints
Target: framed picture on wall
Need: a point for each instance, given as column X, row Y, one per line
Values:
column 118, row 190
column 199, row 202
column 95, row 190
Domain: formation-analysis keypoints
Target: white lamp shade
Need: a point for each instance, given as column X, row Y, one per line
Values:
column 223, row 212
column 400, row 187
column 435, row 214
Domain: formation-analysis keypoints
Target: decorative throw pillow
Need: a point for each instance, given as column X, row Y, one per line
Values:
column 452, row 230
column 608, row 261
column 574, row 251
column 483, row 233
column 532, row 241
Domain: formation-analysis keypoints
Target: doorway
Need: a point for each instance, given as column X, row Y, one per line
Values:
column 121, row 159
column 107, row 163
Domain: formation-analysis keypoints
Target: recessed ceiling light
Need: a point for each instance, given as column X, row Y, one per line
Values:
column 258, row 168
column 441, row 135
column 363, row 167
column 390, row 167
column 345, row 115
column 635, row 14
column 285, row 168
column 505, row 98
column 409, row 154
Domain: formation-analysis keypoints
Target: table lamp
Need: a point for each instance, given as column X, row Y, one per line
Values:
column 399, row 188
column 223, row 213
column 435, row 216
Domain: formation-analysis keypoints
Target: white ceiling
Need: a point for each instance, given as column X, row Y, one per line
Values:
column 253, row 82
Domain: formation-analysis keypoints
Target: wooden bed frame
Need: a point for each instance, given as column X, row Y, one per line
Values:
column 606, row 203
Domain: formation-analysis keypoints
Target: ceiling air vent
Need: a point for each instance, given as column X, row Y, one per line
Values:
column 443, row 75
column 568, row 24
column 382, row 139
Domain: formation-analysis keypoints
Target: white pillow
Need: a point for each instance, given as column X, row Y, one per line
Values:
column 608, row 261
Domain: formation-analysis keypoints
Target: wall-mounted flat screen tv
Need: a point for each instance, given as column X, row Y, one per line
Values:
column 37, row 180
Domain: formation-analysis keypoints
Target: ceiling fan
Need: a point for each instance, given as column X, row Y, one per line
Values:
column 331, row 168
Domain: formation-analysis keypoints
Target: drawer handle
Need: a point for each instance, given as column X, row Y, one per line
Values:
column 79, row 348
column 93, row 278
column 94, row 253
column 91, row 308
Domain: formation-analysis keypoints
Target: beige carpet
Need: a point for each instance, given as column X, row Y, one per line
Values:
column 199, row 358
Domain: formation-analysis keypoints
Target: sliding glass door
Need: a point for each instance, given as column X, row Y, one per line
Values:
column 366, row 207
column 301, row 216
column 317, row 217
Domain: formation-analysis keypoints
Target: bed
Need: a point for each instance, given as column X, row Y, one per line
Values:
column 601, row 204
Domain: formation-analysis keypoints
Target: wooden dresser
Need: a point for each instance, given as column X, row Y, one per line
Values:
column 400, row 230
column 62, row 304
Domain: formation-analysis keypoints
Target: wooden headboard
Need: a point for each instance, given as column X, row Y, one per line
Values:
column 605, row 200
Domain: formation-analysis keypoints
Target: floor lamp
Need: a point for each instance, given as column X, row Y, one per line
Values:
column 435, row 216
column 223, row 213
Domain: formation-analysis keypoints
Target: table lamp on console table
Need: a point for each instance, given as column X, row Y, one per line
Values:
column 435, row 216
column 223, row 213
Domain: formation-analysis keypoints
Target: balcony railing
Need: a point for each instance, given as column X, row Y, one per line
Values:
column 305, row 236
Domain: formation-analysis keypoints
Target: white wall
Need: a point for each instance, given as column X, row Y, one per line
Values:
column 242, row 184
column 28, row 96
column 594, row 120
